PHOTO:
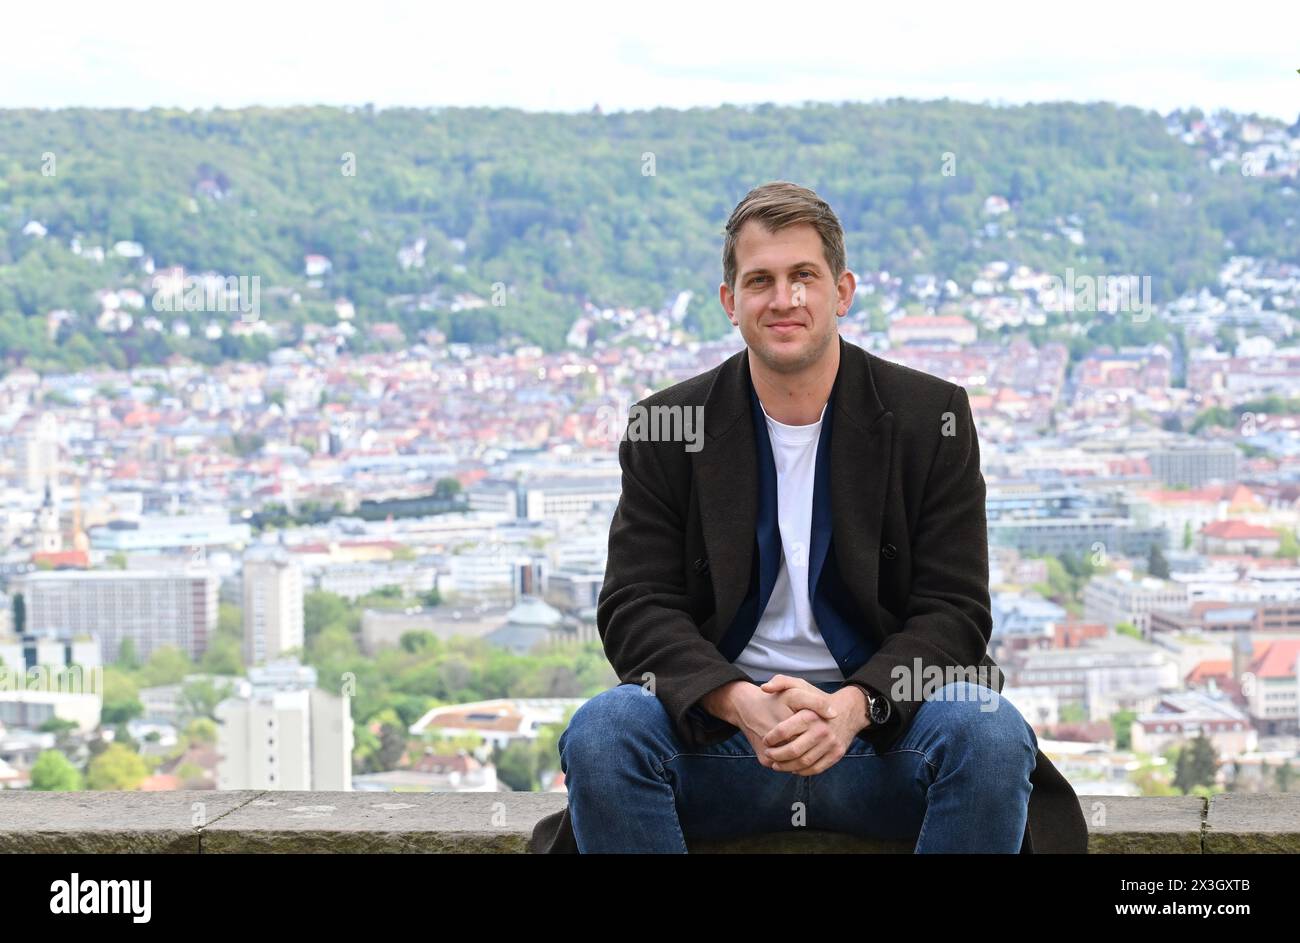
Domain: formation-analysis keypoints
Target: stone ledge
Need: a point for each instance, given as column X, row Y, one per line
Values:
column 208, row 822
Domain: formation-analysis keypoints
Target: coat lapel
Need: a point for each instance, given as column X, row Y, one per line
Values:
column 861, row 459
column 726, row 479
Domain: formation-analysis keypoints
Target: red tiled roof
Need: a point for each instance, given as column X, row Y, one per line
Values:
column 63, row 558
column 1210, row 668
column 1278, row 660
column 161, row 782
column 1238, row 530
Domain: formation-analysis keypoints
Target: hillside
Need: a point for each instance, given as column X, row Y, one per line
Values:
column 558, row 210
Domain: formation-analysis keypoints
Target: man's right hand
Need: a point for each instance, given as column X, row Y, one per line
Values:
column 754, row 711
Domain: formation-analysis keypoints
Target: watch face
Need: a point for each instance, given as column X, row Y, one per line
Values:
column 879, row 710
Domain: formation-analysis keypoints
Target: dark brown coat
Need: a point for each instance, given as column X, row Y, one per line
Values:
column 910, row 537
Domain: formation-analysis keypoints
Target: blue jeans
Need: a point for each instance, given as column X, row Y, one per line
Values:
column 957, row 781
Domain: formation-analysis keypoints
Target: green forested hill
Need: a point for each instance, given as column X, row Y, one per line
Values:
column 559, row 209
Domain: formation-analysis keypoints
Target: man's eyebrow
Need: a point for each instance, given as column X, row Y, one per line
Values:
column 798, row 265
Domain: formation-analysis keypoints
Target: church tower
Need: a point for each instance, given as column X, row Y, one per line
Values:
column 49, row 536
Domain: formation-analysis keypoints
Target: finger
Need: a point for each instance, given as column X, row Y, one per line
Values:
column 818, row 701
column 823, row 758
column 790, row 728
column 824, row 764
column 790, row 756
column 778, row 683
column 819, row 760
column 816, row 757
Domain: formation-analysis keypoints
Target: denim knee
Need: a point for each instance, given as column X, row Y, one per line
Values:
column 611, row 719
column 979, row 714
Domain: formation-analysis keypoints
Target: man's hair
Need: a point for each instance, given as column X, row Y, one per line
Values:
column 777, row 205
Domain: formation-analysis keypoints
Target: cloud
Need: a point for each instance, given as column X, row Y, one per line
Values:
column 568, row 56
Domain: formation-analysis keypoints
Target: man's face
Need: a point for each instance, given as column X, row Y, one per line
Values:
column 786, row 301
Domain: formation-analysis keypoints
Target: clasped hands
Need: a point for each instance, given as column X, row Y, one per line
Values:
column 795, row 727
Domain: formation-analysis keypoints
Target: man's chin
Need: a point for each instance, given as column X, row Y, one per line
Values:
column 785, row 357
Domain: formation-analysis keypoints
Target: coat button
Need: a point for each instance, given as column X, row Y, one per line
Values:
column 701, row 565
column 889, row 551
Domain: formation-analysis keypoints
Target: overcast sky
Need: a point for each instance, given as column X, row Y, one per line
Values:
column 567, row 56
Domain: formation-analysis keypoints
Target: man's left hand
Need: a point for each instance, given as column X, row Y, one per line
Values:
column 818, row 735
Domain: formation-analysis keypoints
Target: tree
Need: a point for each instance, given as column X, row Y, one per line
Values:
column 121, row 697
column 1073, row 713
column 199, row 700
column 61, row 730
column 321, row 609
column 201, row 730
column 52, row 772
column 331, row 650
column 230, row 621
column 1122, row 723
column 245, row 445
column 1150, row 780
column 1157, row 566
column 365, row 747
column 548, row 742
column 167, row 665
column 385, row 752
column 118, row 768
column 127, row 659
column 382, row 597
column 1187, row 535
column 446, row 488
column 418, row 641
column 1196, row 764
column 122, row 735
column 223, row 657
column 517, row 765
column 1285, row 773
column 392, row 745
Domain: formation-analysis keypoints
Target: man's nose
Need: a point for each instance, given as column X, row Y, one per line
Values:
column 782, row 296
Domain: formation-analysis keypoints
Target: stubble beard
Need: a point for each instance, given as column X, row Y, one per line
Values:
column 779, row 360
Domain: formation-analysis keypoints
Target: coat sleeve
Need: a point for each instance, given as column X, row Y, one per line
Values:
column 643, row 611
column 948, row 620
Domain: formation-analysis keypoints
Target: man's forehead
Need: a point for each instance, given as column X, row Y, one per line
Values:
column 793, row 245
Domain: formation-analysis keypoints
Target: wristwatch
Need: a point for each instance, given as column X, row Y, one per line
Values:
column 878, row 709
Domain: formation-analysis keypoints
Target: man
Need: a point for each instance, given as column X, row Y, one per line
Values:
column 798, row 607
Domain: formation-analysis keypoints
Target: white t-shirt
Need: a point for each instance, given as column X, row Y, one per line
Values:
column 787, row 640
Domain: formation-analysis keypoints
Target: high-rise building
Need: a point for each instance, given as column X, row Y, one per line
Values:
column 286, row 734
column 273, row 614
column 37, row 452
column 152, row 608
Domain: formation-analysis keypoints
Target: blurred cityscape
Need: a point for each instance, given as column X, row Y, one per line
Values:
column 378, row 569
